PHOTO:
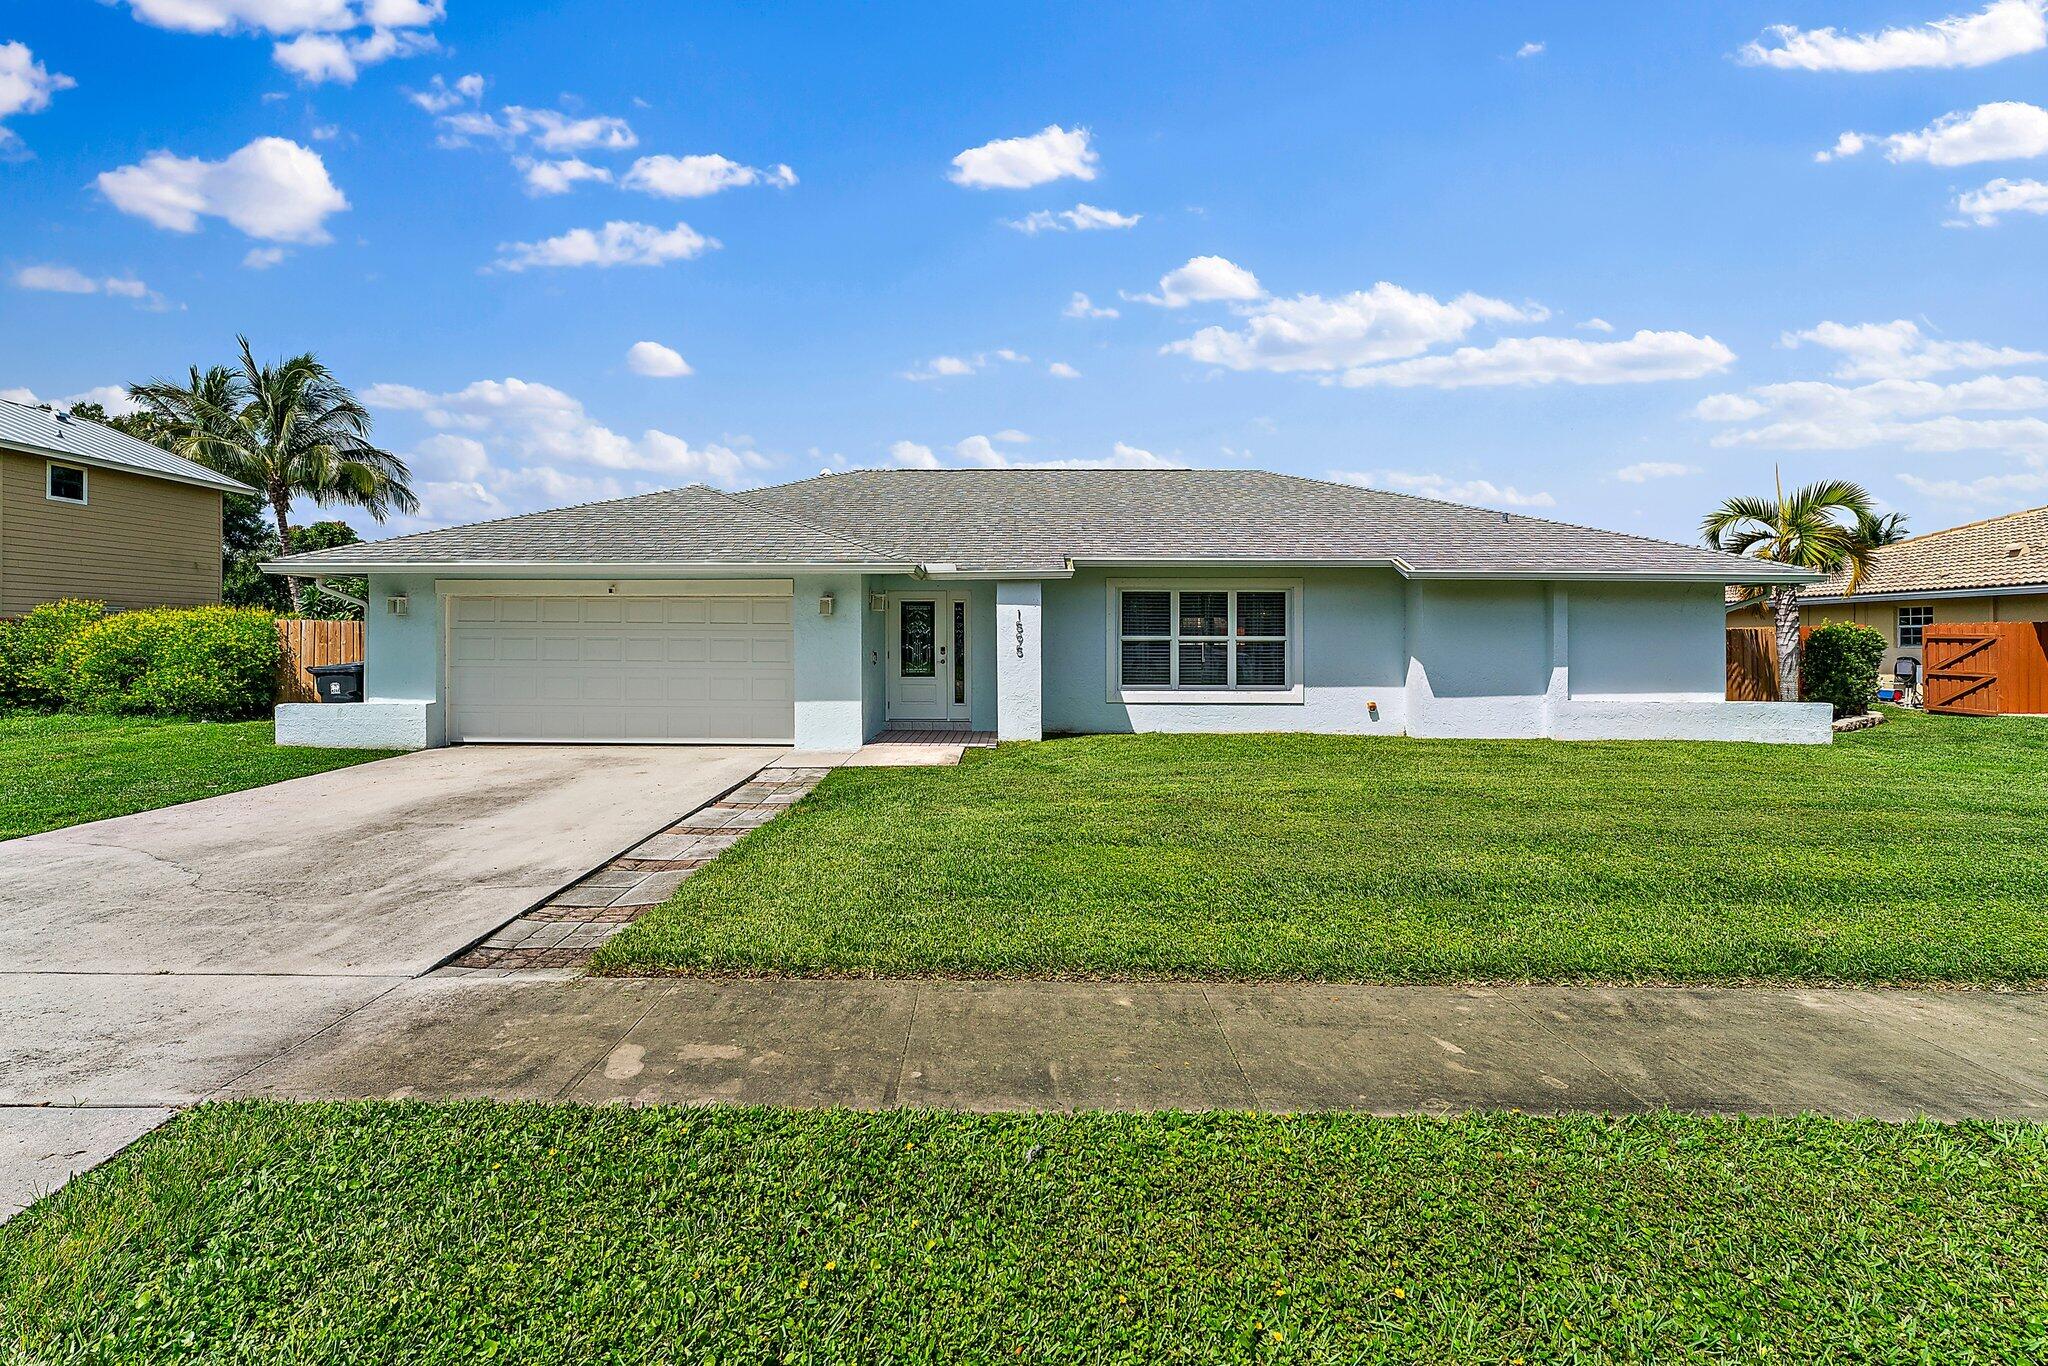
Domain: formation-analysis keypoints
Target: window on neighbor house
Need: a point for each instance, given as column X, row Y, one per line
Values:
column 1204, row 639
column 67, row 484
column 1912, row 622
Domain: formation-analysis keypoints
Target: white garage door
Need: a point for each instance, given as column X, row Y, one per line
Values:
column 620, row 669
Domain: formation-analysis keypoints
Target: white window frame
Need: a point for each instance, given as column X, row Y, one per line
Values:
column 50, row 467
column 1291, row 695
column 1901, row 625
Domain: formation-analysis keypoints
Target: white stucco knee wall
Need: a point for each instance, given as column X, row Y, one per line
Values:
column 1020, row 669
column 1770, row 723
column 359, row 725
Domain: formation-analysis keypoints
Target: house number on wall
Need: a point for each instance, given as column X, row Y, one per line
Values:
column 1020, row 633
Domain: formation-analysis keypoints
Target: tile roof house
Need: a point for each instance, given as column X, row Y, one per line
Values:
column 1028, row 601
column 1990, row 570
column 87, row 512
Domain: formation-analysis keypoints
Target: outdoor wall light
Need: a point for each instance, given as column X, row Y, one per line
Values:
column 878, row 602
column 824, row 604
column 398, row 605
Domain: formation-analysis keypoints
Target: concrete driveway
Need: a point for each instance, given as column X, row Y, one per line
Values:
column 149, row 960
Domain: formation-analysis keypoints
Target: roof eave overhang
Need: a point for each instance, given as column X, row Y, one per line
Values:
column 302, row 567
column 218, row 483
column 1786, row 574
column 1909, row 594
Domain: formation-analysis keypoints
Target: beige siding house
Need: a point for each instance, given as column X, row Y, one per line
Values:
column 86, row 512
column 1993, row 570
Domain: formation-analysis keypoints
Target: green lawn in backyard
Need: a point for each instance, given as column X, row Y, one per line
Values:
column 63, row 770
column 407, row 1232
column 1911, row 852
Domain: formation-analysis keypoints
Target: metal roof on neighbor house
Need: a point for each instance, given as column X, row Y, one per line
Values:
column 38, row 431
column 1027, row 522
column 1998, row 552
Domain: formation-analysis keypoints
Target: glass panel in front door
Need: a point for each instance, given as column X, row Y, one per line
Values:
column 917, row 644
column 959, row 654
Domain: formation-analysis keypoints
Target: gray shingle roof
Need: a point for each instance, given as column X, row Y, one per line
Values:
column 38, row 431
column 1036, row 521
column 694, row 525
column 1998, row 552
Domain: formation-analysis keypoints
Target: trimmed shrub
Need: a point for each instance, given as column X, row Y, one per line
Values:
column 31, row 667
column 207, row 663
column 1838, row 664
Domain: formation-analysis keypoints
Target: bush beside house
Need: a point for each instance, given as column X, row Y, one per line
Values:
column 1838, row 665
column 205, row 663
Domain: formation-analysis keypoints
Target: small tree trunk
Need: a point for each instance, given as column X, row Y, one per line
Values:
column 281, row 506
column 1785, row 617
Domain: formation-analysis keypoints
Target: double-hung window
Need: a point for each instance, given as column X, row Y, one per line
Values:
column 1913, row 621
column 65, row 483
column 1201, row 642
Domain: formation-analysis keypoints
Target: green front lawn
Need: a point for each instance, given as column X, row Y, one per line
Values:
column 1912, row 852
column 407, row 1232
column 63, row 770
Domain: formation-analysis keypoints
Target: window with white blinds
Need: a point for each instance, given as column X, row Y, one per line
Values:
column 1206, row 639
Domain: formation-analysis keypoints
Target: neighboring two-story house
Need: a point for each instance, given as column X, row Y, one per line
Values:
column 86, row 512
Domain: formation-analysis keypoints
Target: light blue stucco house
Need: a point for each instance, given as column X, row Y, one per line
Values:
column 1037, row 601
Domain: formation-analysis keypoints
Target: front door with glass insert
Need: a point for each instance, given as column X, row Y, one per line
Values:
column 927, row 657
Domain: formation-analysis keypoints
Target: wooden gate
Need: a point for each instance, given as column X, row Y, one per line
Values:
column 1752, row 664
column 307, row 642
column 1986, row 668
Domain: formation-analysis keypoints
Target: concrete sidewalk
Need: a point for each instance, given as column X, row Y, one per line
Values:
column 1306, row 1046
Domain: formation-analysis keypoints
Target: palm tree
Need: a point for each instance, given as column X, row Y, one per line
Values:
column 290, row 430
column 1801, row 530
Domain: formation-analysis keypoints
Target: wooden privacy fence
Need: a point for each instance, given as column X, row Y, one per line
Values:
column 308, row 642
column 1752, row 664
column 1985, row 668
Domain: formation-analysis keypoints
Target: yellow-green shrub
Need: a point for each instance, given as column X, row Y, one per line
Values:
column 31, row 669
column 208, row 663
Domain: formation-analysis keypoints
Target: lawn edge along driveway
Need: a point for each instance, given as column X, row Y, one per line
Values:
column 60, row 771
column 1907, row 854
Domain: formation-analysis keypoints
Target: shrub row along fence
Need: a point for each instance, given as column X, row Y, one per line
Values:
column 309, row 643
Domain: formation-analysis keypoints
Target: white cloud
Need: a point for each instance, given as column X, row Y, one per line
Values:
column 227, row 16
column 1053, row 153
column 1311, row 333
column 1204, row 279
column 1987, row 204
column 1081, row 306
column 403, row 13
column 1530, row 50
column 1080, row 218
column 111, row 397
column 952, row 367
column 272, row 189
column 1445, row 489
column 1059, row 369
column 263, row 258
column 656, row 361
column 1915, row 413
column 62, row 279
column 2005, row 28
column 1596, row 325
column 1643, row 471
column 546, row 130
column 317, row 58
column 559, row 177
column 694, row 177
column 1990, row 488
column 1645, row 358
column 910, row 455
column 441, row 97
column 516, row 434
column 2007, row 130
column 25, row 86
column 615, row 244
column 1898, row 350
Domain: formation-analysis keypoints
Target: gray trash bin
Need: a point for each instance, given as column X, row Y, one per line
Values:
column 338, row 682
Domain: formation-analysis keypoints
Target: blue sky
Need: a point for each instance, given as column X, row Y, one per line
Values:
column 1608, row 263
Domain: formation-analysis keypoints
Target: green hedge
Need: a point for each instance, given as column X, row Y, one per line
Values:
column 206, row 663
column 1838, row 664
column 31, row 671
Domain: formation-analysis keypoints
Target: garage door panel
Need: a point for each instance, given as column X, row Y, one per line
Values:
column 631, row 669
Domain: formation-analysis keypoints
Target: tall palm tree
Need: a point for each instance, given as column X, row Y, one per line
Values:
column 1801, row 529
column 1874, row 531
column 290, row 430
